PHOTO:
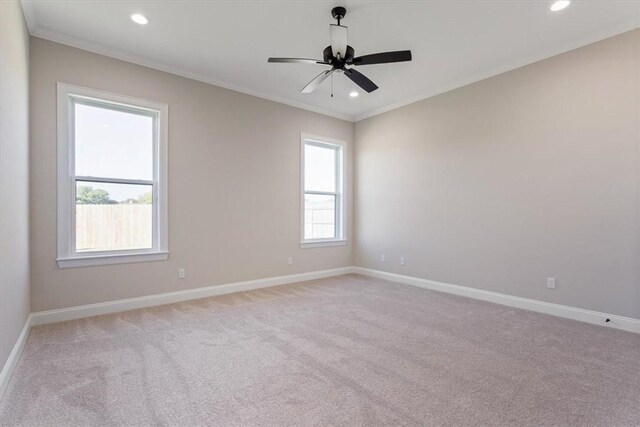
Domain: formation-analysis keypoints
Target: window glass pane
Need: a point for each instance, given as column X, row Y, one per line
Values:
column 113, row 144
column 319, row 216
column 319, row 168
column 113, row 216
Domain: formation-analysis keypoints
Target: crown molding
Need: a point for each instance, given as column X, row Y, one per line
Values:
column 37, row 31
column 559, row 50
column 159, row 66
column 29, row 15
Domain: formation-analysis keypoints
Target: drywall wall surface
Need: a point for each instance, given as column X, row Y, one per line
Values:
column 234, row 183
column 500, row 184
column 14, row 175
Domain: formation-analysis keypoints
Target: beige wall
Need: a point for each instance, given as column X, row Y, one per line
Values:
column 230, row 155
column 497, row 185
column 14, row 175
column 500, row 184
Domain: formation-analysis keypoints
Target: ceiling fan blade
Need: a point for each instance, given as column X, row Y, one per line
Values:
column 298, row 61
column 313, row 84
column 339, row 35
column 383, row 58
column 361, row 80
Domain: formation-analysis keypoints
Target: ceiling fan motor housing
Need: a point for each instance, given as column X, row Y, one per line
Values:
column 338, row 63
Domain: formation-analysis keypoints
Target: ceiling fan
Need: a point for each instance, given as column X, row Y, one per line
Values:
column 339, row 55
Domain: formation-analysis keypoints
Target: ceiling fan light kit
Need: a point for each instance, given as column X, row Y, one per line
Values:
column 339, row 55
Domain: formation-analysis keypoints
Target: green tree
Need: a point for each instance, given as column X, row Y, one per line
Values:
column 143, row 199
column 87, row 195
column 146, row 198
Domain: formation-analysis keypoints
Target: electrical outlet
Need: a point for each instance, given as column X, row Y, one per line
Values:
column 551, row 282
column 382, row 259
column 290, row 260
column 402, row 260
column 182, row 273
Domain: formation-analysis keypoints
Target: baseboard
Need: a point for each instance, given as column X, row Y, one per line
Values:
column 583, row 315
column 14, row 356
column 597, row 318
column 79, row 312
column 52, row 316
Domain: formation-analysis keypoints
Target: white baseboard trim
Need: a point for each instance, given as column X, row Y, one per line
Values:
column 71, row 313
column 597, row 318
column 79, row 312
column 14, row 356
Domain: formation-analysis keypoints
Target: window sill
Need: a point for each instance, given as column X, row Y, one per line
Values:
column 107, row 259
column 322, row 243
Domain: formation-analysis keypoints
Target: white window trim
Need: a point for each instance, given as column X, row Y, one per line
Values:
column 341, row 223
column 67, row 258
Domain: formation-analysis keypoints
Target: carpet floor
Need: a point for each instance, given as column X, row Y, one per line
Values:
column 347, row 350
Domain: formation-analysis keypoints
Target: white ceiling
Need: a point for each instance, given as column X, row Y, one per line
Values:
column 227, row 43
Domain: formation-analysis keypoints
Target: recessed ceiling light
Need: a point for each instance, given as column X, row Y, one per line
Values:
column 139, row 19
column 353, row 94
column 559, row 5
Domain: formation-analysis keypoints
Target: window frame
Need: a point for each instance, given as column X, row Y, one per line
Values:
column 68, row 257
column 340, row 147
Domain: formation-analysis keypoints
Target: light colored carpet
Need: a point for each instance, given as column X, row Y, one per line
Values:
column 342, row 351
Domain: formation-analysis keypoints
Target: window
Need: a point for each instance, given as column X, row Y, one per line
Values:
column 112, row 200
column 322, row 192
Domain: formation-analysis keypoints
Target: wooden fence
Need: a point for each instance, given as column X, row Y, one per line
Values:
column 130, row 226
column 109, row 227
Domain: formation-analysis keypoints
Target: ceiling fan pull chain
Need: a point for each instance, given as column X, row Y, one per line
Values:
column 332, row 85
